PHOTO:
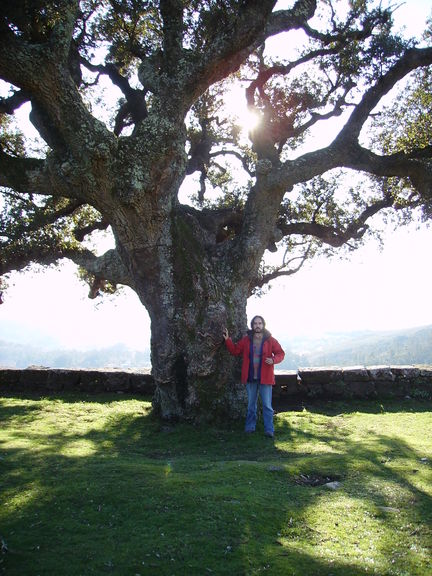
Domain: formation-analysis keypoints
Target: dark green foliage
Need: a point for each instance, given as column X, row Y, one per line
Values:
column 343, row 56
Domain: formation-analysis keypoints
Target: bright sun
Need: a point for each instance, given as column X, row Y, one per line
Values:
column 237, row 108
column 247, row 119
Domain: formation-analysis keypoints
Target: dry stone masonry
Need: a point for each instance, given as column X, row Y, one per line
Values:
column 357, row 382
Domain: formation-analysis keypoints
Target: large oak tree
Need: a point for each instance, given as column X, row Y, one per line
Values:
column 125, row 165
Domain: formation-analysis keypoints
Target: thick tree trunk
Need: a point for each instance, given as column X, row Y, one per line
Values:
column 185, row 278
column 197, row 380
column 192, row 297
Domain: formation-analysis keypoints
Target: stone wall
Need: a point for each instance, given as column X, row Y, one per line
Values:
column 37, row 379
column 306, row 383
column 356, row 382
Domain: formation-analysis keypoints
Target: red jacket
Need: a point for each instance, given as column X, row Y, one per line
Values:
column 271, row 349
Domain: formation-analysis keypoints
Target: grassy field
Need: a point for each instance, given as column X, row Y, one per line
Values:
column 96, row 485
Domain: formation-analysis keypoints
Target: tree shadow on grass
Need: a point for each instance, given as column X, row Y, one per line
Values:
column 70, row 397
column 127, row 494
column 20, row 413
column 368, row 406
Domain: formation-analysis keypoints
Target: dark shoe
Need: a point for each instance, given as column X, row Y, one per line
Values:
column 269, row 434
column 249, row 431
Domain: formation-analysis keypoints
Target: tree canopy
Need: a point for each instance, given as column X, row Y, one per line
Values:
column 134, row 100
column 346, row 63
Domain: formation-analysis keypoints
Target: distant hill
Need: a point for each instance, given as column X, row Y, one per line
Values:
column 413, row 346
column 119, row 356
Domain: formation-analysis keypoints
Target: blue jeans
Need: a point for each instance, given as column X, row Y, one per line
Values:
column 265, row 391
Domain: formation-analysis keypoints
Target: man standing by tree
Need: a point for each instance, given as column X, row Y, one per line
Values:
column 193, row 205
column 260, row 352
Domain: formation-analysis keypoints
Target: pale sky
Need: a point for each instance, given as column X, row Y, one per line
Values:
column 374, row 290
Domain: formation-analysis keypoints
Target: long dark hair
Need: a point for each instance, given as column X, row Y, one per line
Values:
column 254, row 318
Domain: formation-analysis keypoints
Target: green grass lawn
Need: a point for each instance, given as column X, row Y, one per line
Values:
column 96, row 485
